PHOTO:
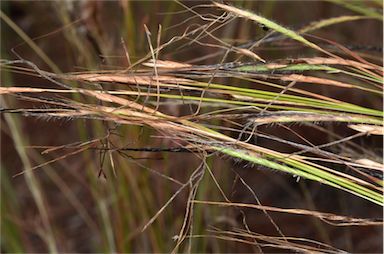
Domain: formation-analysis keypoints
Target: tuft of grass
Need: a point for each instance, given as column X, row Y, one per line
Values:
column 213, row 111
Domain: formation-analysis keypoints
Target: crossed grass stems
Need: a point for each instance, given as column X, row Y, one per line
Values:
column 242, row 108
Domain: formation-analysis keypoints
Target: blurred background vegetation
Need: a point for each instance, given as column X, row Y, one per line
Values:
column 69, row 206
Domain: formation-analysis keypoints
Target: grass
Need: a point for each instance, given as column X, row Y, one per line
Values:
column 216, row 111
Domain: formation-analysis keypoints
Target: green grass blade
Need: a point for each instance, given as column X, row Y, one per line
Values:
column 268, row 23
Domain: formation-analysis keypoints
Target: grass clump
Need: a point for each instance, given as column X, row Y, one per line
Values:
column 175, row 149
